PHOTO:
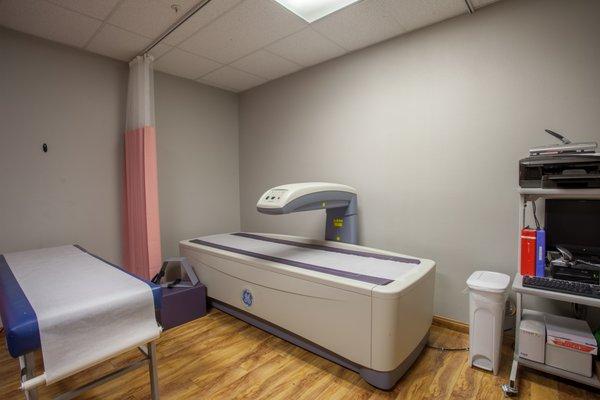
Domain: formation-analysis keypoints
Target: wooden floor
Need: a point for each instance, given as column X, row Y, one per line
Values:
column 220, row 357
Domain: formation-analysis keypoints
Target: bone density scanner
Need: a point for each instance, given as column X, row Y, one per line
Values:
column 366, row 309
column 340, row 202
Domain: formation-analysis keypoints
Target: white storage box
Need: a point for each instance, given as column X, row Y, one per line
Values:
column 532, row 336
column 487, row 298
column 570, row 344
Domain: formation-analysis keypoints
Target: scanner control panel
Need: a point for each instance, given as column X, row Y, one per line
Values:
column 278, row 197
column 273, row 197
column 339, row 201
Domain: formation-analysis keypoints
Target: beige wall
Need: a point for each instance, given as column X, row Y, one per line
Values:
column 429, row 128
column 197, row 140
column 75, row 102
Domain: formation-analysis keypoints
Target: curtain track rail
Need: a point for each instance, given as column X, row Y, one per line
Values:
column 176, row 25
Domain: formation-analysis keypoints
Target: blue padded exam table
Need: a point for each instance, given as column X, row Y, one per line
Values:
column 23, row 336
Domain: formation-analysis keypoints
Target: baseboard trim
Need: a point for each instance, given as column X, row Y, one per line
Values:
column 450, row 324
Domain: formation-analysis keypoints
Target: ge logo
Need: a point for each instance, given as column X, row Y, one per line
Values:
column 247, row 297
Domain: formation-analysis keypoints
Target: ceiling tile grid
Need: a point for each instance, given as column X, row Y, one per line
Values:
column 209, row 13
column 118, row 43
column 93, row 8
column 230, row 77
column 415, row 14
column 266, row 65
column 246, row 28
column 306, row 48
column 187, row 65
column 231, row 44
column 48, row 20
column 158, row 50
column 148, row 18
column 360, row 25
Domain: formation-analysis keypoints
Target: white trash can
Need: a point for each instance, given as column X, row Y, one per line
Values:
column 487, row 298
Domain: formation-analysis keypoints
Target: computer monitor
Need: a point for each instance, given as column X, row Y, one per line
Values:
column 574, row 224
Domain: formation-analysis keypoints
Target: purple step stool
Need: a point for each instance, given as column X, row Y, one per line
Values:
column 182, row 304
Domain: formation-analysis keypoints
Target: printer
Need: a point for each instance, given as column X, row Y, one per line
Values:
column 567, row 165
column 560, row 171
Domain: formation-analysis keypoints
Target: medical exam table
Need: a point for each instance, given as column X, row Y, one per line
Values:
column 79, row 310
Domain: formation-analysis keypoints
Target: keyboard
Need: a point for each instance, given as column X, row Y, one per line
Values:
column 559, row 285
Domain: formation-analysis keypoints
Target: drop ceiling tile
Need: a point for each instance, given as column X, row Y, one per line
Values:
column 306, row 48
column 228, row 77
column 117, row 43
column 159, row 50
column 148, row 18
column 216, row 85
column 265, row 64
column 184, row 5
column 246, row 28
column 93, row 8
column 206, row 15
column 414, row 14
column 482, row 3
column 187, row 65
column 48, row 20
column 360, row 24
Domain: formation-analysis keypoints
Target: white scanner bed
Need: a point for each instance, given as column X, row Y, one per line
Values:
column 370, row 307
column 358, row 265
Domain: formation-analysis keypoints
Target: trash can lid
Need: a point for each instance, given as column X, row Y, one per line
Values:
column 488, row 281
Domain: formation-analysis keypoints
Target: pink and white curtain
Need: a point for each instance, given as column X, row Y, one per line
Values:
column 142, row 255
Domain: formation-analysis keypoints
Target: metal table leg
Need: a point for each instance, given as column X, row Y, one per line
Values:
column 29, row 382
column 511, row 388
column 27, row 363
column 153, row 371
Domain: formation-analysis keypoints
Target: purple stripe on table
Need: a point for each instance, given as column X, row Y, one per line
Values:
column 331, row 271
column 378, row 256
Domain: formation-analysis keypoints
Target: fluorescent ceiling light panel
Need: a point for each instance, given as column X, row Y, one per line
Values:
column 312, row 10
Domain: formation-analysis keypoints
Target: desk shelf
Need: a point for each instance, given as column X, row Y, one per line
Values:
column 532, row 194
column 518, row 287
column 537, row 193
column 593, row 381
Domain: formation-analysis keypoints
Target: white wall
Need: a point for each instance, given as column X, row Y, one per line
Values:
column 429, row 127
column 197, row 145
column 75, row 102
